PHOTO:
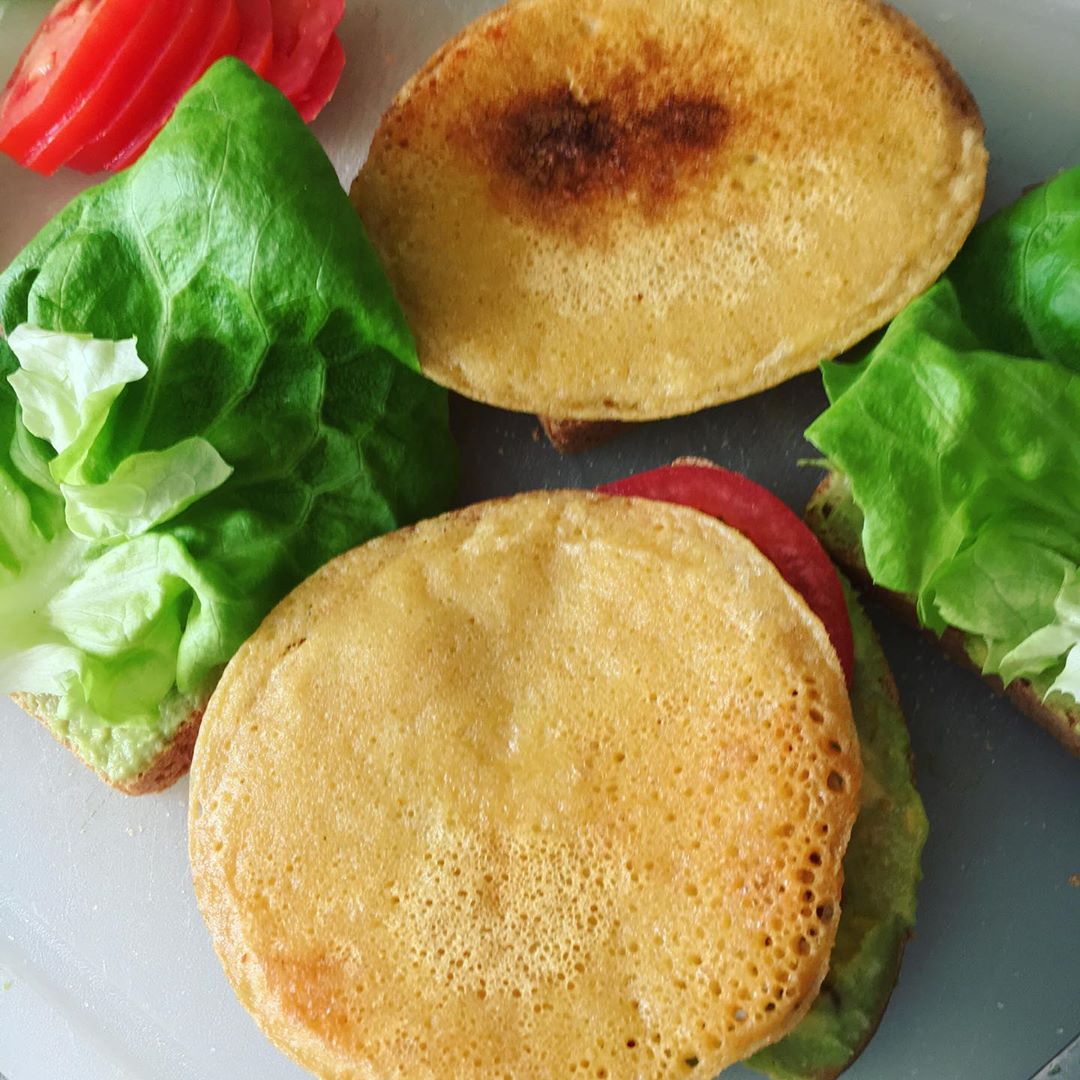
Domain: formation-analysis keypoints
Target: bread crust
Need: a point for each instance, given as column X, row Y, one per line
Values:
column 1062, row 723
column 574, row 436
column 167, row 767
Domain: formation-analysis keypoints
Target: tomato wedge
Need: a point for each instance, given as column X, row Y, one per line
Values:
column 60, row 67
column 221, row 37
column 323, row 83
column 768, row 523
column 183, row 41
column 101, row 77
column 302, row 30
column 124, row 71
column 256, row 47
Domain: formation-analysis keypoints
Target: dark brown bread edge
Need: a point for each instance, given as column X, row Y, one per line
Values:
column 171, row 764
column 574, row 436
column 845, row 547
column 898, row 960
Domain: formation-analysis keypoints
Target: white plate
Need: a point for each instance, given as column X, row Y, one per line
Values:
column 106, row 970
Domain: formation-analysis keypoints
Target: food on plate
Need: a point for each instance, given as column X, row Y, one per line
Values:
column 575, row 436
column 955, row 457
column 101, row 77
column 635, row 209
column 560, row 756
column 206, row 392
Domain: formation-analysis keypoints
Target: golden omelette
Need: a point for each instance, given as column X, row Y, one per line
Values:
column 557, row 785
column 630, row 209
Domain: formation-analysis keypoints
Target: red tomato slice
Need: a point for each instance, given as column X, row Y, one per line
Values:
column 323, row 83
column 60, row 67
column 122, row 74
column 302, row 29
column 256, row 46
column 220, row 40
column 768, row 523
column 183, row 42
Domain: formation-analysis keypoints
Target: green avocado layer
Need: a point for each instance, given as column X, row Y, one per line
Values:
column 881, row 872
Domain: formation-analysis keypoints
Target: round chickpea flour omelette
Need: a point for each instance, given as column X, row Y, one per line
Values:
column 553, row 786
column 630, row 209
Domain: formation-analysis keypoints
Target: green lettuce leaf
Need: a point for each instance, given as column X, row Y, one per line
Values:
column 66, row 385
column 144, row 490
column 215, row 392
column 959, row 433
column 1042, row 649
column 1018, row 277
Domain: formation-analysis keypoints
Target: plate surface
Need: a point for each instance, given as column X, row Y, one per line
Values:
column 106, row 970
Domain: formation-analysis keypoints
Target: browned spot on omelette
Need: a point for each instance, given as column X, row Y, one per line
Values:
column 557, row 149
column 307, row 989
